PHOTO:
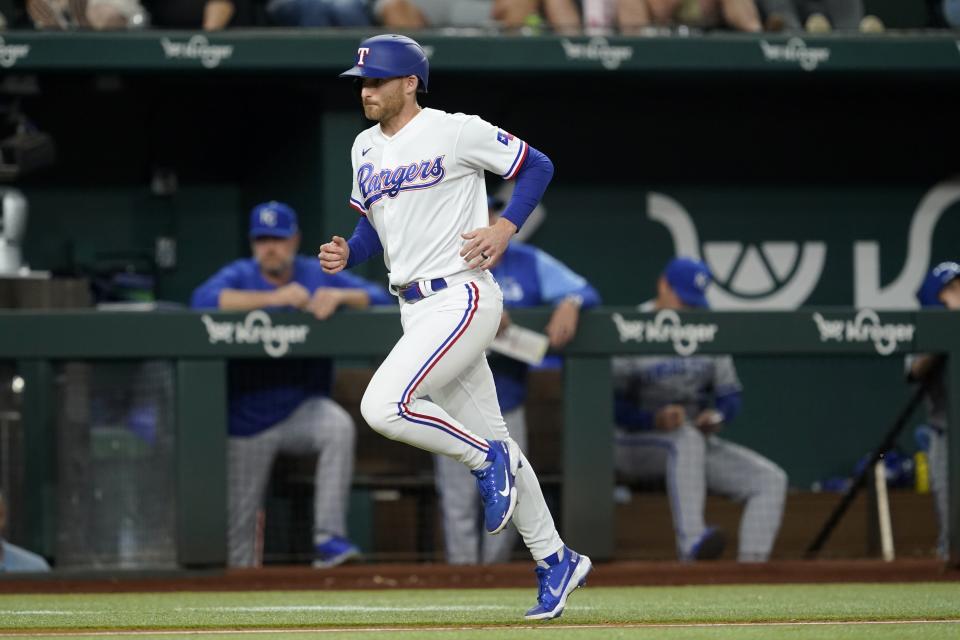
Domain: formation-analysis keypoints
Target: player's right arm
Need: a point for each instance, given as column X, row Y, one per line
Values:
column 340, row 254
column 293, row 294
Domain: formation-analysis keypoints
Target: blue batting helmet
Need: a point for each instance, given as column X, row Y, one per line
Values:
column 390, row 56
column 939, row 277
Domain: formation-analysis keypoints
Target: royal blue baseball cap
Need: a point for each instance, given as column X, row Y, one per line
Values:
column 274, row 219
column 939, row 277
column 689, row 279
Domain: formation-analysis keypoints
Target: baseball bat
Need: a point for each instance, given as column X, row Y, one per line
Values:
column 859, row 480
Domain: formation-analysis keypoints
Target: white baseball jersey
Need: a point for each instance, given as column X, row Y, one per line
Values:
column 424, row 187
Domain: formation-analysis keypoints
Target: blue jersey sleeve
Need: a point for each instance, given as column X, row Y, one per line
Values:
column 207, row 295
column 344, row 280
column 531, row 181
column 364, row 243
column 729, row 405
column 557, row 282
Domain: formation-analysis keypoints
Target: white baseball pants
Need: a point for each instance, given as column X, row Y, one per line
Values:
column 441, row 355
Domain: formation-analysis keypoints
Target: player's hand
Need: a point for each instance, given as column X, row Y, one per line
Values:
column 504, row 322
column 709, row 421
column 334, row 255
column 563, row 324
column 291, row 295
column 669, row 417
column 486, row 245
column 325, row 301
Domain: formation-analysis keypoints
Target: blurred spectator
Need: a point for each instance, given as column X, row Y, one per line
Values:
column 561, row 15
column 283, row 405
column 951, row 13
column 14, row 558
column 944, row 13
column 627, row 16
column 210, row 15
column 669, row 411
column 86, row 14
column 739, row 15
column 941, row 289
column 319, row 13
column 115, row 14
column 528, row 277
column 817, row 16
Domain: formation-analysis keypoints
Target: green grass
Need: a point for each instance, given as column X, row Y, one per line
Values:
column 467, row 608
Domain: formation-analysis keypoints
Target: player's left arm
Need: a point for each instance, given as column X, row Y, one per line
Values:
column 728, row 397
column 484, row 146
column 568, row 292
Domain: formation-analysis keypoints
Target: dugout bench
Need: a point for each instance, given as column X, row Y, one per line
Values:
column 37, row 340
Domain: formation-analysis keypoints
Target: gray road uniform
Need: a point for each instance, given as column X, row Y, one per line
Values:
column 690, row 461
column 937, row 453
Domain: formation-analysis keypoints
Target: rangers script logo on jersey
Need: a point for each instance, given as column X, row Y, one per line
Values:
column 390, row 182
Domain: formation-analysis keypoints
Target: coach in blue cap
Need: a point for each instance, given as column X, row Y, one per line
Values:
column 684, row 284
column 283, row 405
column 669, row 410
column 940, row 289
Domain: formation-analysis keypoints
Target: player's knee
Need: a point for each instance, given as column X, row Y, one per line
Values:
column 342, row 422
column 777, row 481
column 340, row 427
column 380, row 413
column 772, row 482
column 689, row 441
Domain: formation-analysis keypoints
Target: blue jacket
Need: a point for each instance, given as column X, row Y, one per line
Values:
column 265, row 392
column 530, row 277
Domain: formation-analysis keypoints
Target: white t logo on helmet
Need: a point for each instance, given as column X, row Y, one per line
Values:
column 361, row 53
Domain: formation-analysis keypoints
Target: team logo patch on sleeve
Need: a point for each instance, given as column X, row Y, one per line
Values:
column 504, row 138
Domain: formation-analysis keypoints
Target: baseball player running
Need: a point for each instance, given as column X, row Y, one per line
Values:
column 669, row 410
column 418, row 185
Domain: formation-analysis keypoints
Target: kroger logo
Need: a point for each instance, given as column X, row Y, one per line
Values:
column 865, row 327
column 11, row 53
column 795, row 51
column 257, row 327
column 666, row 327
column 197, row 48
column 599, row 50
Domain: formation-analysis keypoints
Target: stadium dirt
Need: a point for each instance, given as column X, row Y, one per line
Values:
column 440, row 576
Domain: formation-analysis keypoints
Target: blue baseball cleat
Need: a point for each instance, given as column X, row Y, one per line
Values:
column 336, row 550
column 559, row 575
column 709, row 546
column 496, row 484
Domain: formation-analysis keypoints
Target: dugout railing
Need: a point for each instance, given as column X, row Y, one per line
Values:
column 200, row 345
